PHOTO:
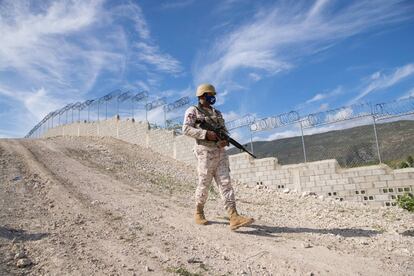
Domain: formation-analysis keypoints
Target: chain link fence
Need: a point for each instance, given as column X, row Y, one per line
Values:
column 354, row 135
column 125, row 104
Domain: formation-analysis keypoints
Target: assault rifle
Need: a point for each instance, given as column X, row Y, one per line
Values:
column 223, row 135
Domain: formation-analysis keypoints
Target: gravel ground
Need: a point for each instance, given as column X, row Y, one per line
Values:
column 99, row 206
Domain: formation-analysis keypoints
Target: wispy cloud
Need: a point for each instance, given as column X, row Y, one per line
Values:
column 151, row 55
column 325, row 95
column 378, row 80
column 282, row 134
column 176, row 4
column 55, row 52
column 279, row 36
column 407, row 95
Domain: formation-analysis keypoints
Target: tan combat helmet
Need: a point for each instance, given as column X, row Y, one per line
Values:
column 205, row 88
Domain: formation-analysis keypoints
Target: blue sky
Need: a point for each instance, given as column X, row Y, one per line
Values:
column 264, row 57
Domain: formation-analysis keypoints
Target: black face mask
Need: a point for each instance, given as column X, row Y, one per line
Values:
column 210, row 99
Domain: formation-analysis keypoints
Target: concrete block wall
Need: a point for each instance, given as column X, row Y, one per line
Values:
column 161, row 141
column 133, row 132
column 374, row 185
column 377, row 185
column 184, row 149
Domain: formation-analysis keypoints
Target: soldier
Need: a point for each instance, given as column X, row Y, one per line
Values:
column 213, row 161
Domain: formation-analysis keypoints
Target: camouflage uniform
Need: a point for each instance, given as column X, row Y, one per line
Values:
column 213, row 161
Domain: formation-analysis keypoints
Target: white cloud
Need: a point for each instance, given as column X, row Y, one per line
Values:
column 407, row 95
column 379, row 81
column 277, row 37
column 255, row 76
column 54, row 52
column 230, row 116
column 340, row 125
column 282, row 134
column 163, row 62
column 37, row 103
column 323, row 96
column 317, row 97
column 342, row 114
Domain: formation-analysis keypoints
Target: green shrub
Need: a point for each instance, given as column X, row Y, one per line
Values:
column 410, row 161
column 403, row 165
column 406, row 202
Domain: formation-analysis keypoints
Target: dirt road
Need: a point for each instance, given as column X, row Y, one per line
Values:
column 98, row 206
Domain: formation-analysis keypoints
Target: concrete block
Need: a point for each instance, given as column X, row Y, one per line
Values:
column 350, row 187
column 326, row 177
column 372, row 191
column 376, row 203
column 329, row 171
column 407, row 182
column 380, row 184
column 378, row 172
column 259, row 173
column 335, row 176
column 394, row 183
column 343, row 181
column 327, row 188
column 365, row 172
column 382, row 197
column 309, row 184
column 319, row 172
column 359, row 179
column 366, row 185
column 304, row 179
column 372, row 178
column 401, row 176
column 309, row 173
column 330, row 182
column 386, row 177
column 317, row 189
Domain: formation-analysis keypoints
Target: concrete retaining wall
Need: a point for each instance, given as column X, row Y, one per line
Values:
column 374, row 185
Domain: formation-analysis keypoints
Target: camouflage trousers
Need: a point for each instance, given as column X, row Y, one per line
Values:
column 213, row 163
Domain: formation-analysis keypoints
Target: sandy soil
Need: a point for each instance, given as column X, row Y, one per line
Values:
column 98, row 206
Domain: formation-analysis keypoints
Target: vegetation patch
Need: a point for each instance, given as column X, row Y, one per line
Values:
column 406, row 202
column 182, row 271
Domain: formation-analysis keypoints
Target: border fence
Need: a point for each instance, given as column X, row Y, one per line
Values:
column 355, row 135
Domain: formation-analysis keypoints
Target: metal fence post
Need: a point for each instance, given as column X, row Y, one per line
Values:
column 303, row 141
column 251, row 140
column 146, row 110
column 376, row 139
column 106, row 110
column 165, row 117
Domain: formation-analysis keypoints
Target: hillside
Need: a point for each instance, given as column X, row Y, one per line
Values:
column 98, row 206
column 349, row 146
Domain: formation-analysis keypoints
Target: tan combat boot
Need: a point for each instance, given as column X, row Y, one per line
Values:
column 199, row 215
column 237, row 221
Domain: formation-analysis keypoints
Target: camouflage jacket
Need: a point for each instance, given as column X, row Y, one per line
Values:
column 192, row 128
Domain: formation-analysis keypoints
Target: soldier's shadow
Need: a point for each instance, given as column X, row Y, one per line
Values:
column 20, row 234
column 272, row 231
